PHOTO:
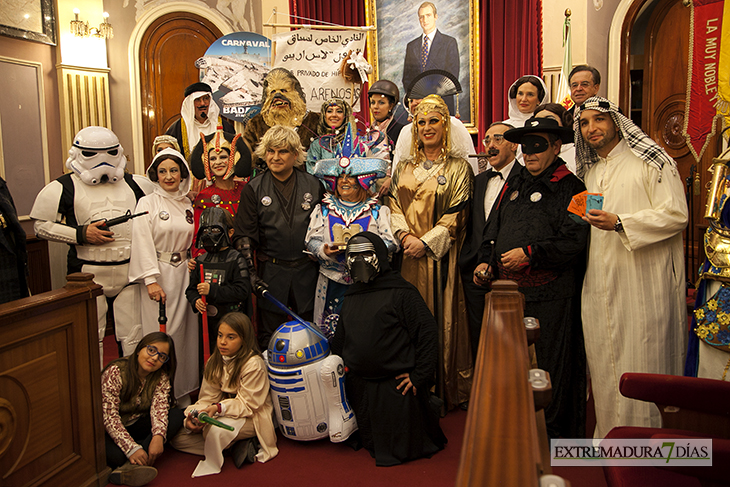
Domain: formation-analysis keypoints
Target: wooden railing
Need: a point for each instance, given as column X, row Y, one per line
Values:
column 505, row 443
column 51, row 431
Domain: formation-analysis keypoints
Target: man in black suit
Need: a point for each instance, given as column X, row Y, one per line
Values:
column 432, row 50
column 489, row 187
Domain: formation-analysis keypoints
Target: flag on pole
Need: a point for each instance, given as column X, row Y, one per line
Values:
column 563, row 95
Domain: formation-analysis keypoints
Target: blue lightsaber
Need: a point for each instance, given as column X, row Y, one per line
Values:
column 265, row 293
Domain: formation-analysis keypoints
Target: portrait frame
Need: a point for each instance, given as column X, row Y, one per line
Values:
column 39, row 28
column 396, row 24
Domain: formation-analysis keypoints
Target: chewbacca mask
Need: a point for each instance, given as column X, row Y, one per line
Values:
column 283, row 99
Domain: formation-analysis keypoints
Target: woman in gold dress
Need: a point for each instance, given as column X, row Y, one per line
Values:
column 430, row 198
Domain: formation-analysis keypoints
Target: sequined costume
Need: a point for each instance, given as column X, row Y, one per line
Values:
column 334, row 221
column 708, row 353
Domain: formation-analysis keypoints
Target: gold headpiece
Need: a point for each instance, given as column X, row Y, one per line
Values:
column 432, row 103
column 218, row 143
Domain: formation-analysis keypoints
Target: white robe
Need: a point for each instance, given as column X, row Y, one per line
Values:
column 634, row 309
column 152, row 234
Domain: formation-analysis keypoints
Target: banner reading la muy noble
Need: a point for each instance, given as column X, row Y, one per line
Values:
column 705, row 92
column 315, row 58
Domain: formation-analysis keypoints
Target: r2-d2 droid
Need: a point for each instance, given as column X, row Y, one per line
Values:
column 308, row 384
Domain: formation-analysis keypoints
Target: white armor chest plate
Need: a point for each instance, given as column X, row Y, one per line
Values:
column 105, row 201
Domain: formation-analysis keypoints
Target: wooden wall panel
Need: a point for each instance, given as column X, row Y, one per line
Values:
column 51, row 432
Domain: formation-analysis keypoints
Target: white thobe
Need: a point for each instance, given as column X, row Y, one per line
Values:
column 167, row 228
column 634, row 309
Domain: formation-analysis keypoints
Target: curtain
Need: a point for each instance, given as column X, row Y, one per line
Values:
column 342, row 12
column 510, row 42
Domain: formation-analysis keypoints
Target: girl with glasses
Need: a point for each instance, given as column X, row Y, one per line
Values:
column 137, row 407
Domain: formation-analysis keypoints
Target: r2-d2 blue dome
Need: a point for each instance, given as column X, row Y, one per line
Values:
column 307, row 385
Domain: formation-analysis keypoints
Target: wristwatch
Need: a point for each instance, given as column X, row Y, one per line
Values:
column 618, row 226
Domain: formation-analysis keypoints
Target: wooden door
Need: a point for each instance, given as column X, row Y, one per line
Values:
column 167, row 56
column 666, row 55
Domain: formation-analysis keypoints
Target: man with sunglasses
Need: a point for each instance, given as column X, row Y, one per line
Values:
column 74, row 209
column 488, row 187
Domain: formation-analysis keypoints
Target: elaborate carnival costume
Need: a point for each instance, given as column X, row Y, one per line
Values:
column 386, row 332
column 96, row 188
column 239, row 165
column 336, row 220
column 283, row 103
column 187, row 129
column 430, row 201
column 160, row 251
column 329, row 139
column 708, row 354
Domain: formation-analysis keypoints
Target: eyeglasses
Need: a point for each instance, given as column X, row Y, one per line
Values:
column 152, row 350
column 498, row 139
column 582, row 84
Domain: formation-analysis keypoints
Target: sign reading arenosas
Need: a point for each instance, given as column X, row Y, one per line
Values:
column 315, row 57
column 656, row 452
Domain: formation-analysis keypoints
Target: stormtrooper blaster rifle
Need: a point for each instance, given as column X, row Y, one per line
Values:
column 203, row 417
column 118, row 220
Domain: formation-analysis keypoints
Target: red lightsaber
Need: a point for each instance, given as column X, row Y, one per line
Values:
column 204, row 314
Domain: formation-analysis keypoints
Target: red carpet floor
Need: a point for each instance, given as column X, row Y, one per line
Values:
column 321, row 463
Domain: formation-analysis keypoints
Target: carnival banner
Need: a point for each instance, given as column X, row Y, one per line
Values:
column 234, row 66
column 707, row 93
column 316, row 59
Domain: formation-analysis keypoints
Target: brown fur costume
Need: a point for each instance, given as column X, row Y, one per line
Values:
column 281, row 89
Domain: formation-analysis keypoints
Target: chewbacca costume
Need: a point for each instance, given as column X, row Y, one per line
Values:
column 281, row 88
column 257, row 127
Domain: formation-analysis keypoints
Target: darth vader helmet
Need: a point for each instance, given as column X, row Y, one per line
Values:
column 215, row 224
column 96, row 156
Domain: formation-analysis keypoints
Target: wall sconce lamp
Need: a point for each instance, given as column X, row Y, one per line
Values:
column 79, row 28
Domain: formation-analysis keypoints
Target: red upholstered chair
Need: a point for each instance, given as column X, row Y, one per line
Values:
column 690, row 408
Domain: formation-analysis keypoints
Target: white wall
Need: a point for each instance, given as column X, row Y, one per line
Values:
column 552, row 31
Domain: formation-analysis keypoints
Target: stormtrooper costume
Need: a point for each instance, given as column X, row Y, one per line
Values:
column 96, row 188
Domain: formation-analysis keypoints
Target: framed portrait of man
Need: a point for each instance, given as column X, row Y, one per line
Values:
column 413, row 36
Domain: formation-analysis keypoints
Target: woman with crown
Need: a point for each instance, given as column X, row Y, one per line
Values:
column 219, row 158
column 349, row 208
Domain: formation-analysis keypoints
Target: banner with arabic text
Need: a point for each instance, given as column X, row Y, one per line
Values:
column 315, row 58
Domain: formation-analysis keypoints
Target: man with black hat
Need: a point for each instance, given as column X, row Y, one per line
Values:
column 199, row 113
column 536, row 242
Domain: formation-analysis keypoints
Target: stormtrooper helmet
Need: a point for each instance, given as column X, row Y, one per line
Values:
column 96, row 156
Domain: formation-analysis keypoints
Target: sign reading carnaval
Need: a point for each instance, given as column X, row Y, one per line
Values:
column 234, row 66
column 315, row 58
column 708, row 93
